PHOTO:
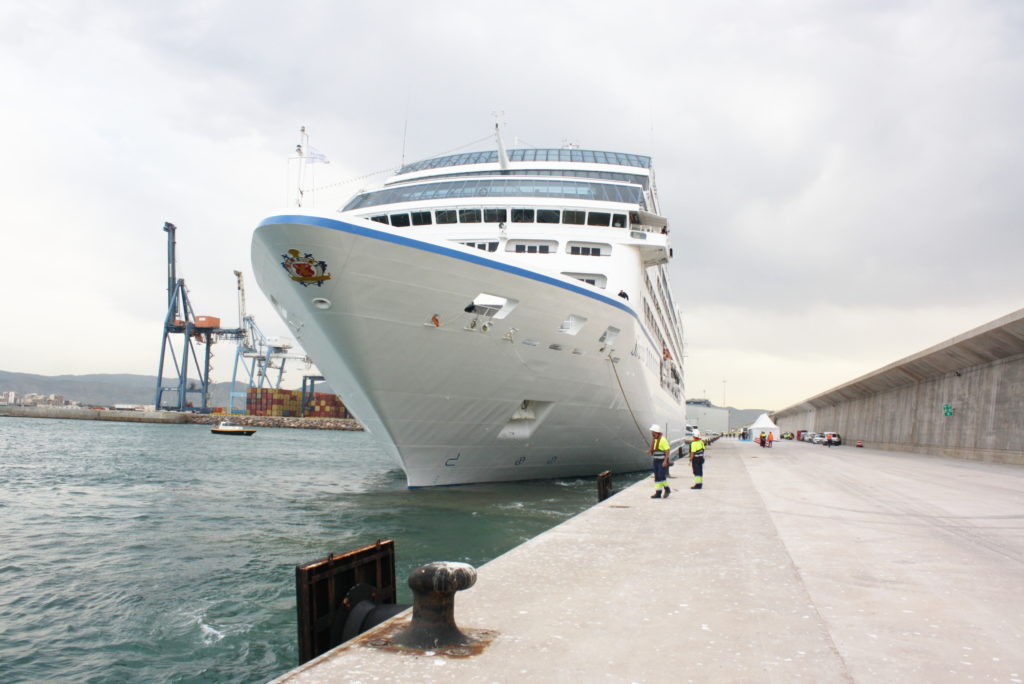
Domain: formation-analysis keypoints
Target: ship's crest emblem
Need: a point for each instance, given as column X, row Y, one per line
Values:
column 305, row 269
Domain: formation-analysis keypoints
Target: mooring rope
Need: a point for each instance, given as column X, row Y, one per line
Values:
column 643, row 435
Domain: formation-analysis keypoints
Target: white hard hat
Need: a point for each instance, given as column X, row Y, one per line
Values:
column 696, row 432
column 655, row 428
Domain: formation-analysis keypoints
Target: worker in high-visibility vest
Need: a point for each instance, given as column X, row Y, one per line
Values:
column 697, row 461
column 659, row 452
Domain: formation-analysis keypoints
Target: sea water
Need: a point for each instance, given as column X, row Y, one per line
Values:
column 133, row 552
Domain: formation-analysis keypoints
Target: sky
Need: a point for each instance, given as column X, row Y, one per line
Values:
column 843, row 179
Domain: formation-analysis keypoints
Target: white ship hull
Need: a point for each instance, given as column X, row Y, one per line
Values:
column 458, row 397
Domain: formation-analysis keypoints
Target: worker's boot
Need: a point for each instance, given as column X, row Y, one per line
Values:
column 656, row 495
column 668, row 490
column 699, row 485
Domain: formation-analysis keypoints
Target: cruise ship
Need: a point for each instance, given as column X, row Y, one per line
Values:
column 491, row 316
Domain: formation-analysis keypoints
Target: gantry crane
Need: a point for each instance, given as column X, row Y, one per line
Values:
column 257, row 354
column 196, row 331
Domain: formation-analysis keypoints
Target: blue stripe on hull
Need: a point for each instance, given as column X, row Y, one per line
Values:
column 335, row 224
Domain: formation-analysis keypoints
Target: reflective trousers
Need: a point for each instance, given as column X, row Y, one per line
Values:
column 698, row 466
column 660, row 473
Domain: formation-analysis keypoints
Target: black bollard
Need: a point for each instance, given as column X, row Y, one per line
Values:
column 433, row 608
column 604, row 485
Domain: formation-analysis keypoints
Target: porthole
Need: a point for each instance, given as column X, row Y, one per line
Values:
column 322, row 303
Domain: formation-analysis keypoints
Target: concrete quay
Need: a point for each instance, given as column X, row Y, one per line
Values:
column 77, row 413
column 796, row 563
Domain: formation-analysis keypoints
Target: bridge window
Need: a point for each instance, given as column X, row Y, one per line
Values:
column 522, row 216
column 495, row 215
column 379, row 219
column 501, row 187
column 532, row 154
column 421, row 218
column 446, row 216
column 469, row 216
column 599, row 218
column 548, row 215
column 575, row 218
column 400, row 220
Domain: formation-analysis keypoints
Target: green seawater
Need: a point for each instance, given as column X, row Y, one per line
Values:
column 162, row 553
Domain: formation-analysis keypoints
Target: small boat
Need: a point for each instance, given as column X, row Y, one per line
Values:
column 226, row 428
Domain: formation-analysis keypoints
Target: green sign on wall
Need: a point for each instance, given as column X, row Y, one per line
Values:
column 947, row 410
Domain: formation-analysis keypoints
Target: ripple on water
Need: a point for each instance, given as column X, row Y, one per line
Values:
column 154, row 553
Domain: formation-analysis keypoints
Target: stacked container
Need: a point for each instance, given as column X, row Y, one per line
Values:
column 278, row 402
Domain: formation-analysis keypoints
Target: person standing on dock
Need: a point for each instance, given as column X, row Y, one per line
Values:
column 659, row 452
column 697, row 462
column 771, row 438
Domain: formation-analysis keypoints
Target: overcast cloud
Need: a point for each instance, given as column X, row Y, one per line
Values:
column 843, row 179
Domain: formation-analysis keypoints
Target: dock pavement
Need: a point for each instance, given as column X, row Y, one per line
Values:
column 795, row 563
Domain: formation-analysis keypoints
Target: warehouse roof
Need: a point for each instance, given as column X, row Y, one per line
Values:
column 1000, row 339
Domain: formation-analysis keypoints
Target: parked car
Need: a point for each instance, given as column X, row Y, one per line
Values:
column 836, row 439
column 809, row 436
column 818, row 438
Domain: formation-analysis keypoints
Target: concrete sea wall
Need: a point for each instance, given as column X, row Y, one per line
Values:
column 73, row 413
column 281, row 421
column 963, row 398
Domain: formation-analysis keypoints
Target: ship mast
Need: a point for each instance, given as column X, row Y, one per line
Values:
column 301, row 150
column 502, row 156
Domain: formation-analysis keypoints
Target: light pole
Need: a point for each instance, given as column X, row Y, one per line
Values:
column 723, row 393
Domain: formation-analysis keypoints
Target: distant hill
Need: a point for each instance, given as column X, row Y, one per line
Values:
column 104, row 389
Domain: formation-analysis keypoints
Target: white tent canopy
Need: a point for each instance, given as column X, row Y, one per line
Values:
column 763, row 424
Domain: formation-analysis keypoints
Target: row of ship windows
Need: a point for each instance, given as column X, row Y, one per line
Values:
column 596, row 279
column 532, row 154
column 642, row 181
column 530, row 247
column 517, row 187
column 443, row 216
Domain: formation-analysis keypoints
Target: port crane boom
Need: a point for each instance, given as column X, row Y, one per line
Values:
column 257, row 355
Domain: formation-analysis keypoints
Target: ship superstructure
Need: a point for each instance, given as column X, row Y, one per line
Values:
column 491, row 315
